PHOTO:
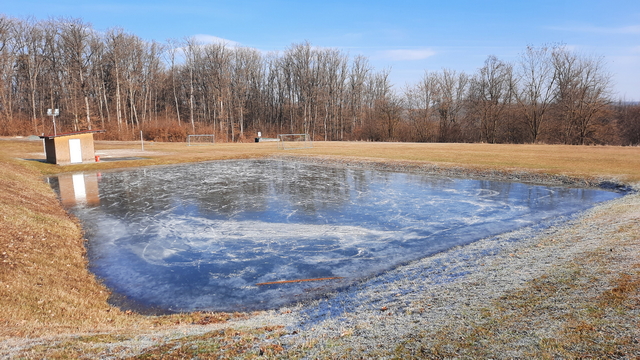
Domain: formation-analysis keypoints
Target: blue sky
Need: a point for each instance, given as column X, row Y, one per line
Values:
column 407, row 36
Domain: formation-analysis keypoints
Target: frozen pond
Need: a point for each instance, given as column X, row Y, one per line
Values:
column 204, row 236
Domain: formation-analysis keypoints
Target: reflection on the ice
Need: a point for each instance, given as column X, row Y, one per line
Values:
column 77, row 189
column 203, row 236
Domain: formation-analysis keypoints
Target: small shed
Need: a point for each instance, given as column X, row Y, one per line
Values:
column 70, row 148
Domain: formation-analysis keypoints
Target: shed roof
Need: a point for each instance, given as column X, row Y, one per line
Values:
column 71, row 134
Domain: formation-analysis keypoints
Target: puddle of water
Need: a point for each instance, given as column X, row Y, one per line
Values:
column 203, row 236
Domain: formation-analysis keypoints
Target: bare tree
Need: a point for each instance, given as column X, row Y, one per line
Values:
column 299, row 60
column 192, row 51
column 30, row 47
column 537, row 80
column 115, row 48
column 76, row 41
column 5, row 31
column 628, row 121
column 217, row 68
column 451, row 92
column 245, row 83
column 173, row 49
column 359, row 71
column 582, row 93
column 491, row 93
column 421, row 106
column 7, row 60
column 389, row 111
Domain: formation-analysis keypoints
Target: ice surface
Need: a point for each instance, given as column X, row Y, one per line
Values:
column 202, row 236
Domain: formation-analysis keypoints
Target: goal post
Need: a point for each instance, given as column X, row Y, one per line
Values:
column 294, row 141
column 204, row 139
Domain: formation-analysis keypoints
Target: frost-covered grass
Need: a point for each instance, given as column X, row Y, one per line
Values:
column 568, row 291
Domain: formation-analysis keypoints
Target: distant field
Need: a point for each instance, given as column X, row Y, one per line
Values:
column 618, row 162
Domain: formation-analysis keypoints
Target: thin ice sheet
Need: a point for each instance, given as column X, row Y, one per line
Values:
column 204, row 236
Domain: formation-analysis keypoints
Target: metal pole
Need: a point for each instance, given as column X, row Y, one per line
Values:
column 141, row 141
column 53, row 113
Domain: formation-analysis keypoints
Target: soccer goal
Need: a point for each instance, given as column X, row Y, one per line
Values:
column 194, row 140
column 294, row 141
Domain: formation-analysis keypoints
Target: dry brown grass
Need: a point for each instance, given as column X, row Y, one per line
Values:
column 582, row 161
column 618, row 162
column 45, row 286
column 46, row 289
column 153, row 154
column 44, row 282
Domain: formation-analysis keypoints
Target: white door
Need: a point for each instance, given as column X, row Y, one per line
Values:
column 75, row 150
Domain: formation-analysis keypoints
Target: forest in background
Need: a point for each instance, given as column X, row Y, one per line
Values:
column 119, row 82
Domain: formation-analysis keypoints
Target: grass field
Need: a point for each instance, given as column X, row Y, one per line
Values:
column 622, row 163
column 48, row 294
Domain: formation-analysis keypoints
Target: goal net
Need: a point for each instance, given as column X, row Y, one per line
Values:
column 294, row 141
column 193, row 140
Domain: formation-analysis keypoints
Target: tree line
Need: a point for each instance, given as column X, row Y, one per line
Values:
column 116, row 81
